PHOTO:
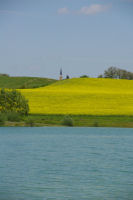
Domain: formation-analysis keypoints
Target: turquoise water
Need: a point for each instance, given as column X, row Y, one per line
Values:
column 66, row 164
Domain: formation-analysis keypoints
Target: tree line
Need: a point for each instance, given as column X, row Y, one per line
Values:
column 116, row 73
column 4, row 74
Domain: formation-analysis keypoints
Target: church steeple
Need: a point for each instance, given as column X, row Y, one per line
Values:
column 60, row 77
column 61, row 72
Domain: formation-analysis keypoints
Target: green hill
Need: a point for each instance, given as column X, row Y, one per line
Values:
column 24, row 82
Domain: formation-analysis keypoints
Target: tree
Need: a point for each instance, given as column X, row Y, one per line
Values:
column 84, row 76
column 100, row 76
column 116, row 73
column 111, row 72
column 13, row 101
column 67, row 77
column 4, row 74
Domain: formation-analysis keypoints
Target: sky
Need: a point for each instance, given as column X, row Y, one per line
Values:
column 38, row 37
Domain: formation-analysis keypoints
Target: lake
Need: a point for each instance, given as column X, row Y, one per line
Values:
column 66, row 163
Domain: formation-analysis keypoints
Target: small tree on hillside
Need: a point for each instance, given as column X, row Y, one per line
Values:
column 67, row 77
column 13, row 101
column 84, row 76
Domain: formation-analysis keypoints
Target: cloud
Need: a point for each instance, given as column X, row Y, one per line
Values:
column 63, row 11
column 94, row 9
column 86, row 10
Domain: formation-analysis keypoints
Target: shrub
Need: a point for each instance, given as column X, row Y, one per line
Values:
column 29, row 122
column 67, row 121
column 2, row 119
column 84, row 76
column 13, row 101
column 95, row 124
column 22, row 86
column 13, row 117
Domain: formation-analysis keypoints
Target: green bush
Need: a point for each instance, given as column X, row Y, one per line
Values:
column 84, row 76
column 2, row 119
column 12, row 101
column 23, row 86
column 13, row 117
column 95, row 124
column 29, row 122
column 67, row 121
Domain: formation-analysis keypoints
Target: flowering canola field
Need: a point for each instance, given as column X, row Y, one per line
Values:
column 90, row 96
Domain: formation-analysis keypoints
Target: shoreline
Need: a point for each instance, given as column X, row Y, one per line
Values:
column 52, row 120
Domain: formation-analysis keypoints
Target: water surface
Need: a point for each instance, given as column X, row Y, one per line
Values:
column 66, row 164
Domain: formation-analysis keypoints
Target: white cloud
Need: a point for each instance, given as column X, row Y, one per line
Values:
column 93, row 9
column 63, row 11
column 86, row 10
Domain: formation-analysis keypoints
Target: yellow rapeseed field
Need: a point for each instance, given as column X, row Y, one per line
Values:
column 91, row 96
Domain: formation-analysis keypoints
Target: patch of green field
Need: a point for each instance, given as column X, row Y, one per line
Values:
column 24, row 82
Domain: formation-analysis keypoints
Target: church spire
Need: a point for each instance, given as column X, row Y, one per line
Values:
column 61, row 72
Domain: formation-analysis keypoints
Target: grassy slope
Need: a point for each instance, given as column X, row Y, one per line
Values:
column 24, row 82
column 83, row 97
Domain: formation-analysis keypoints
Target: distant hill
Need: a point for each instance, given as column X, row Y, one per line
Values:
column 88, row 96
column 24, row 82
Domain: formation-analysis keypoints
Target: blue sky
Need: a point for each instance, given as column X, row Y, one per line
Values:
column 37, row 37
